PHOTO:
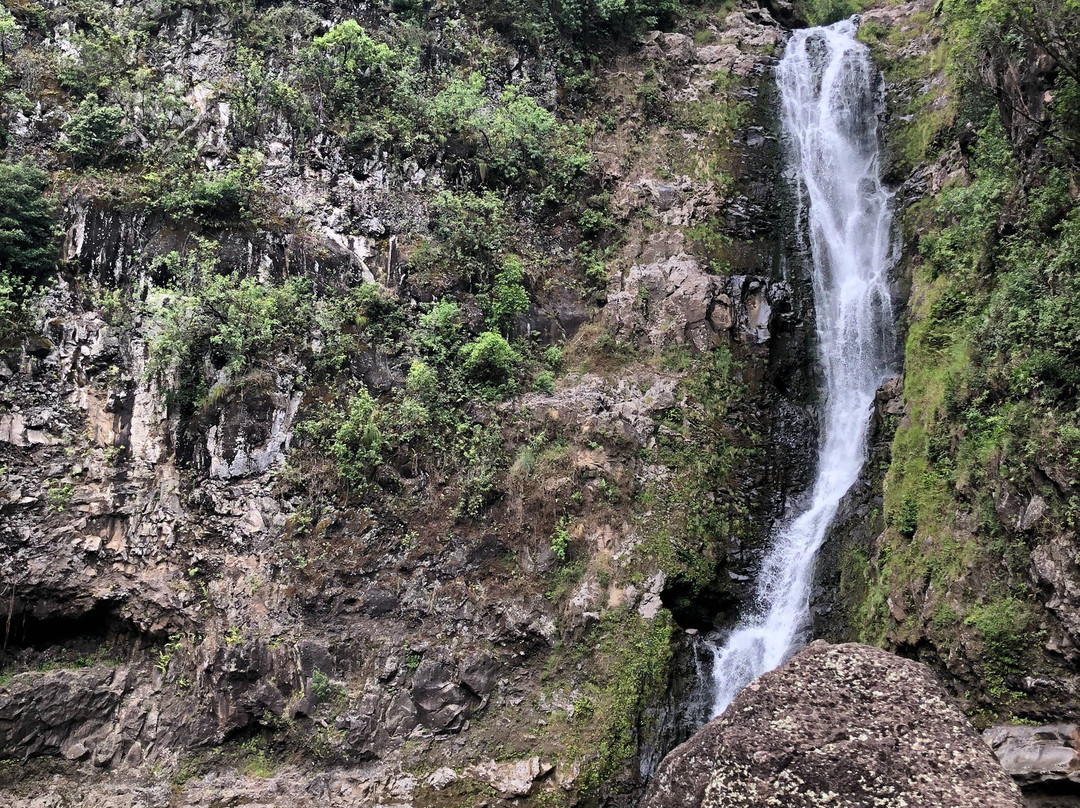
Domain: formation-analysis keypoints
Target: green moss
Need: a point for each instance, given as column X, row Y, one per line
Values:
column 628, row 670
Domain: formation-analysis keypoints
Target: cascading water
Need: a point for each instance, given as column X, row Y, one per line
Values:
column 829, row 98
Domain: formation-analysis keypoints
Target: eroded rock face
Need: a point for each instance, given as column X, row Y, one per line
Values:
column 675, row 302
column 837, row 725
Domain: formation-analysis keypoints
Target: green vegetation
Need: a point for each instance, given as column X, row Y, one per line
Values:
column 692, row 517
column 824, row 12
column 28, row 242
column 629, row 660
column 238, row 325
column 991, row 379
column 94, row 132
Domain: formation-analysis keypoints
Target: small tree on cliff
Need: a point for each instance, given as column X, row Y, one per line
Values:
column 28, row 247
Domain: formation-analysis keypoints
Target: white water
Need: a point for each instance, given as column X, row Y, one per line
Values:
column 829, row 99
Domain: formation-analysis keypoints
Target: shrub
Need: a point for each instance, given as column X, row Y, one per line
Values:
column 28, row 242
column 439, row 332
column 506, row 297
column 184, row 191
column 544, row 382
column 490, row 361
column 560, row 541
column 357, row 445
column 28, row 229
column 471, row 231
column 350, row 70
column 238, row 324
column 422, row 381
column 94, row 132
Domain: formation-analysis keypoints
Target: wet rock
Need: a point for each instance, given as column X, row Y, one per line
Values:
column 838, row 724
column 479, row 672
column 1056, row 569
column 441, row 778
column 1033, row 513
column 675, row 302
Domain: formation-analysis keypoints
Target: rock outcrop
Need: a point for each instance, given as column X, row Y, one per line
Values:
column 837, row 725
column 1038, row 758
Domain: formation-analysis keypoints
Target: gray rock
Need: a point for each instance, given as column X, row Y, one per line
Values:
column 1040, row 755
column 514, row 778
column 842, row 725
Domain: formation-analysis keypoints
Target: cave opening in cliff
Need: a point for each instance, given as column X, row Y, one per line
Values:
column 58, row 634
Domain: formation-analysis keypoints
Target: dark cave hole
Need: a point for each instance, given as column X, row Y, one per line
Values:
column 695, row 607
column 42, row 634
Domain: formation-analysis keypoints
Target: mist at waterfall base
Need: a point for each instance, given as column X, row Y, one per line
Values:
column 829, row 100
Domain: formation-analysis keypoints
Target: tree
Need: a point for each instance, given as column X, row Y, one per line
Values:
column 28, row 233
column 11, row 36
column 28, row 227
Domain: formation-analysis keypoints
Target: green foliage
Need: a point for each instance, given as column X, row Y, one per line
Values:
column 28, row 242
column 321, row 686
column 591, row 18
column 439, row 334
column 208, row 197
column 491, row 362
column 825, row 12
column 11, row 35
column 357, row 444
column 510, row 136
column 560, row 541
column 1005, row 628
column 238, row 324
column 630, row 660
column 58, row 494
column 94, row 132
column 350, row 69
column 28, row 227
column 544, row 382
column 691, row 516
column 506, row 297
column 470, row 232
column 991, row 380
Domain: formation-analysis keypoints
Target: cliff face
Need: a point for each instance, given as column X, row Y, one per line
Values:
column 410, row 375
column 959, row 547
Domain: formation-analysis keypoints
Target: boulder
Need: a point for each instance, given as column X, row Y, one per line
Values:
column 513, row 778
column 1038, row 755
column 844, row 725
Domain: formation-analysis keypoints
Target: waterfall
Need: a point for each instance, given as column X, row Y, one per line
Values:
column 829, row 98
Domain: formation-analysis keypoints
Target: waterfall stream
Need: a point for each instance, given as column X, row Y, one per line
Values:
column 830, row 97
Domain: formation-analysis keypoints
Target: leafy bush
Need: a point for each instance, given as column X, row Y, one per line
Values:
column 506, row 297
column 94, row 132
column 490, row 361
column 544, row 382
column 358, row 443
column 183, row 190
column 350, row 70
column 28, row 228
column 238, row 324
column 422, row 381
column 471, row 231
column 439, row 333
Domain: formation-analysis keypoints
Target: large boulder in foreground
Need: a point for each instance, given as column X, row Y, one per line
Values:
column 838, row 725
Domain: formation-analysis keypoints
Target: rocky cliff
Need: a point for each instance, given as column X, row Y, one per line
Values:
column 411, row 374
